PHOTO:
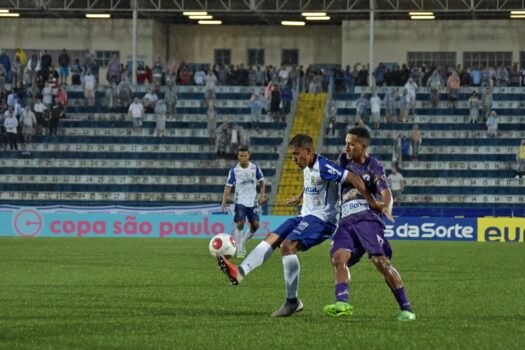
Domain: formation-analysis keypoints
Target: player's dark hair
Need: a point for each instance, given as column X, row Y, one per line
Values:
column 360, row 132
column 301, row 140
column 243, row 149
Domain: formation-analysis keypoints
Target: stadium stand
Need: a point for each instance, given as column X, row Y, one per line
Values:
column 97, row 160
column 459, row 165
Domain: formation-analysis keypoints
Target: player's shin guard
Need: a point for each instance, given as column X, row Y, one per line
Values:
column 291, row 275
column 256, row 258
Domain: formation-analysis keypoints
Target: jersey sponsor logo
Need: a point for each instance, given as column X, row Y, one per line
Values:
column 501, row 229
column 354, row 207
column 312, row 190
column 246, row 182
column 447, row 229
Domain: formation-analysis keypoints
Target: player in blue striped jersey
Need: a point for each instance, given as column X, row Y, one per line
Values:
column 244, row 176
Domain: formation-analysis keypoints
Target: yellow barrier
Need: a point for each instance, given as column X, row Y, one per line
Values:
column 501, row 229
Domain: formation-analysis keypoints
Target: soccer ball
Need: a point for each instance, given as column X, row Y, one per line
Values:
column 223, row 244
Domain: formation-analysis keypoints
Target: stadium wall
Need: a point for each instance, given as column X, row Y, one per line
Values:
column 316, row 44
column 81, row 34
column 346, row 44
column 393, row 39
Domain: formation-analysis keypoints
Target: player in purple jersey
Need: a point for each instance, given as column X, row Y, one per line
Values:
column 361, row 230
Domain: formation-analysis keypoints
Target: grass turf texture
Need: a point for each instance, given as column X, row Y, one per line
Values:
column 145, row 293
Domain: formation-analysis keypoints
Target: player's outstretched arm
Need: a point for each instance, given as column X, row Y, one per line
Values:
column 262, row 196
column 294, row 201
column 225, row 196
column 386, row 195
column 359, row 185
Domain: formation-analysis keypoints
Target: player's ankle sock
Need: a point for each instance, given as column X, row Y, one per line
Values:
column 341, row 292
column 256, row 258
column 291, row 300
column 291, row 275
column 238, row 236
column 402, row 299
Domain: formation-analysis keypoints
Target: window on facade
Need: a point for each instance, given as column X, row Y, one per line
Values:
column 103, row 57
column 290, row 56
column 522, row 59
column 256, row 57
column 431, row 59
column 486, row 58
column 223, row 56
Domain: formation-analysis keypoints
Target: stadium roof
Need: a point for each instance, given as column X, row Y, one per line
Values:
column 249, row 12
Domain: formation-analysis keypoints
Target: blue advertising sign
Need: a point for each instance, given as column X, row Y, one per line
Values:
column 432, row 228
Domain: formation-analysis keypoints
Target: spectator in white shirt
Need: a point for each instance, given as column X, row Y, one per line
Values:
column 28, row 121
column 397, row 185
column 411, row 88
column 40, row 114
column 150, row 100
column 199, row 77
column 209, row 92
column 375, row 110
column 11, row 126
column 136, row 112
column 47, row 95
column 89, row 84
column 492, row 124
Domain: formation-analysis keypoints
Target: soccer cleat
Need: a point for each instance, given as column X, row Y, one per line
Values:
column 406, row 315
column 288, row 309
column 340, row 308
column 229, row 270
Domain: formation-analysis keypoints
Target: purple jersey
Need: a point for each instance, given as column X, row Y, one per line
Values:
column 361, row 229
column 373, row 175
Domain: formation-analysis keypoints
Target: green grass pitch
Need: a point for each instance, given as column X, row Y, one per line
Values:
column 169, row 294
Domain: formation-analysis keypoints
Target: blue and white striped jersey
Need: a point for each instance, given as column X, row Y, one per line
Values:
column 245, row 181
column 321, row 190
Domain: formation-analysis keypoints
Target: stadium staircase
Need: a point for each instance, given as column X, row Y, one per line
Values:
column 461, row 171
column 308, row 120
column 98, row 160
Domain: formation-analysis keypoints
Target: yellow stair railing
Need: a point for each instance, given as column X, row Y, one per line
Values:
column 308, row 120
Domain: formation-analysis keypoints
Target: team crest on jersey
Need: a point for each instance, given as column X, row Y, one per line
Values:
column 366, row 177
column 315, row 181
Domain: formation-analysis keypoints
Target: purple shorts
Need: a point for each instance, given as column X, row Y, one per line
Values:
column 361, row 233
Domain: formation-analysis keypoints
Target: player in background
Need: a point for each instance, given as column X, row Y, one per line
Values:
column 316, row 223
column 245, row 176
column 361, row 230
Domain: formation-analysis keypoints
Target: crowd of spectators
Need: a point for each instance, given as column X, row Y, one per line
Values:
column 36, row 86
column 435, row 77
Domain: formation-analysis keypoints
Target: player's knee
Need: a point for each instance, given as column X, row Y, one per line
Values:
column 274, row 240
column 240, row 225
column 254, row 226
column 289, row 247
column 339, row 259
